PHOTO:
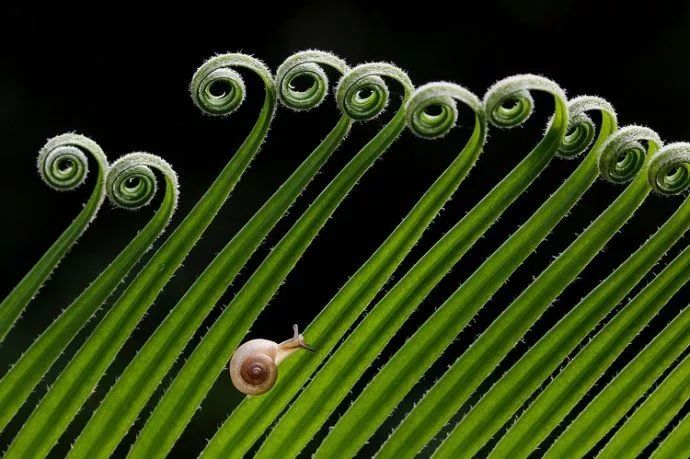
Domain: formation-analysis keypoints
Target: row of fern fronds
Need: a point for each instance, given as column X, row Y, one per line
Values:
column 551, row 388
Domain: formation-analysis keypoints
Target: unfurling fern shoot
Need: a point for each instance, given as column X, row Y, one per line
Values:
column 63, row 165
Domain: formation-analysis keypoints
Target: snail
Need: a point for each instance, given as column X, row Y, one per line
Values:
column 254, row 365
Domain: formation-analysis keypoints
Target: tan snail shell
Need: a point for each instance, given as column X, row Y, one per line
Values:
column 254, row 365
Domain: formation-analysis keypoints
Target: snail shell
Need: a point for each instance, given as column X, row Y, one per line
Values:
column 254, row 365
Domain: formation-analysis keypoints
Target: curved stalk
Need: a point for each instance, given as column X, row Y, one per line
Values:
column 63, row 165
column 255, row 414
column 201, row 370
column 507, row 103
column 128, row 396
column 522, row 379
column 27, row 372
column 216, row 89
column 617, row 397
column 131, row 184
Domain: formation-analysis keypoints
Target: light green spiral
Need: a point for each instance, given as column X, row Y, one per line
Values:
column 306, row 64
column 217, row 89
column 132, row 184
column 443, row 96
column 363, row 95
column 623, row 155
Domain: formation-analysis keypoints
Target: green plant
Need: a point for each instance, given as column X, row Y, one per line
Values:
column 460, row 415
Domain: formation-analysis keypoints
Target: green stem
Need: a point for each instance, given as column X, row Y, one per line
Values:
column 255, row 414
column 77, row 382
column 322, row 395
column 201, row 370
column 676, row 444
column 63, row 165
column 619, row 396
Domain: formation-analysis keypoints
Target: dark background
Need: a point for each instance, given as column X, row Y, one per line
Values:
column 120, row 75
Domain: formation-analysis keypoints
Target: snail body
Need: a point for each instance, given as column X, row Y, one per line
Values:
column 254, row 365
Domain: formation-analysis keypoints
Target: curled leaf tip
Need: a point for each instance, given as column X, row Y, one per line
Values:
column 581, row 128
column 442, row 96
column 63, row 163
column 131, row 184
column 669, row 169
column 306, row 65
column 508, row 102
column 218, row 89
column 623, row 155
column 363, row 95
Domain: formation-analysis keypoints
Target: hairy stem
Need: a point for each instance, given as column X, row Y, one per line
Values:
column 676, row 444
column 619, row 396
column 517, row 384
column 573, row 382
column 25, row 375
column 429, row 416
column 506, row 330
column 63, row 165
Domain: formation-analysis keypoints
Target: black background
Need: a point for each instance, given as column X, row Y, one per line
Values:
column 120, row 75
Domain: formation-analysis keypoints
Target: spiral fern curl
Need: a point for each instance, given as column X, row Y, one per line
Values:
column 525, row 377
column 77, row 381
column 138, row 382
column 63, row 165
column 246, row 424
column 130, row 184
column 556, row 400
column 361, row 95
column 340, row 372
